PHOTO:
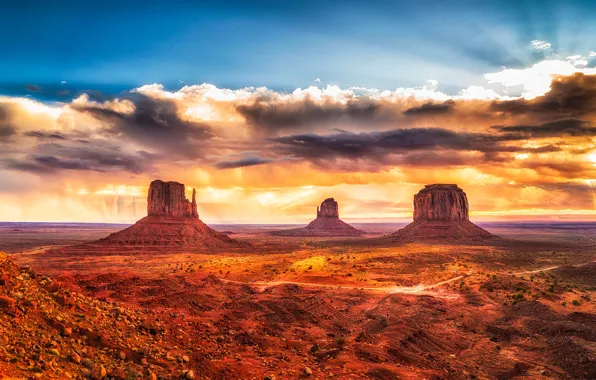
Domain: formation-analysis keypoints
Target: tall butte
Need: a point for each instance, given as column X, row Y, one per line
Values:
column 441, row 213
column 172, row 222
column 327, row 223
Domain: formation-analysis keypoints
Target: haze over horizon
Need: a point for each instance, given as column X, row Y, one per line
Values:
column 268, row 109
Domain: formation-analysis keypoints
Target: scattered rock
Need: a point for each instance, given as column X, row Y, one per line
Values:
column 7, row 302
column 75, row 358
column 98, row 372
column 87, row 363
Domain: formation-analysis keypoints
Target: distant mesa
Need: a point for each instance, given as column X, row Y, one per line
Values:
column 441, row 213
column 327, row 223
column 172, row 221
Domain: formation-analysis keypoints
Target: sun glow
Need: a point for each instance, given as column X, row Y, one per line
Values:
column 133, row 191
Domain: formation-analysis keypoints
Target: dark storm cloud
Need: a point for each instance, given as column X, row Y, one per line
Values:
column 44, row 135
column 557, row 128
column 273, row 116
column 7, row 130
column 571, row 96
column 25, row 166
column 97, row 156
column 83, row 162
column 154, row 123
column 32, row 88
column 361, row 144
column 242, row 162
column 417, row 145
column 431, row 108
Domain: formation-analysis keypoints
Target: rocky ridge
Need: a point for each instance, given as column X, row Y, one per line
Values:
column 48, row 331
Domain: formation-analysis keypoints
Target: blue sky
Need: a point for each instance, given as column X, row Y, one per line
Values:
column 113, row 46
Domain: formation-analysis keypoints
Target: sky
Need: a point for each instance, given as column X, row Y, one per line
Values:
column 269, row 107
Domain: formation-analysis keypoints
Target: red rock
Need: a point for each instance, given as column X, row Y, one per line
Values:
column 327, row 223
column 172, row 224
column 329, row 209
column 7, row 302
column 169, row 199
column 441, row 213
column 441, row 202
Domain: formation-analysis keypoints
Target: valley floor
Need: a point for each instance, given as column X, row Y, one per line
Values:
column 303, row 308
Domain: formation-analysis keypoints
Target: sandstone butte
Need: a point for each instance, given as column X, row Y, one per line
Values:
column 327, row 223
column 172, row 222
column 441, row 213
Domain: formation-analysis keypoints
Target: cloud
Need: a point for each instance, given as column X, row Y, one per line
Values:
column 242, row 162
column 7, row 130
column 557, row 128
column 430, row 145
column 540, row 45
column 152, row 123
column 274, row 117
column 53, row 158
column 33, row 88
column 571, row 96
column 483, row 138
column 45, row 135
column 431, row 108
column 536, row 79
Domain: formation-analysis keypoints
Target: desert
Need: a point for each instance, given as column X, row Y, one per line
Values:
column 297, row 190
column 270, row 306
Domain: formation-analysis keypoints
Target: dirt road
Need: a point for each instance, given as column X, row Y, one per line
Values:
column 418, row 289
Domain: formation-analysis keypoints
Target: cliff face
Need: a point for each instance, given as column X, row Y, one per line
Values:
column 441, row 202
column 329, row 209
column 441, row 213
column 172, row 222
column 169, row 199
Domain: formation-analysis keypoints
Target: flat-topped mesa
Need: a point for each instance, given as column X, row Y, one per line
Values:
column 169, row 199
column 441, row 202
column 441, row 214
column 329, row 209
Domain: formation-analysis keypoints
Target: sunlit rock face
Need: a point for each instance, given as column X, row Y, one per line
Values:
column 441, row 202
column 169, row 199
column 329, row 209
column 441, row 213
column 172, row 223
